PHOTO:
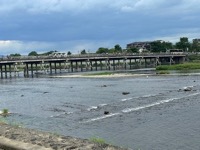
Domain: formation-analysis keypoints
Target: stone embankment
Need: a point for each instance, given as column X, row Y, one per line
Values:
column 17, row 138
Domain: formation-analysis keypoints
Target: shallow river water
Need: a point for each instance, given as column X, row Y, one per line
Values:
column 157, row 114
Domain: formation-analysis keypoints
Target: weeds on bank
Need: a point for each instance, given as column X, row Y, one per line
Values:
column 3, row 120
column 163, row 72
column 184, row 66
column 4, row 113
column 97, row 140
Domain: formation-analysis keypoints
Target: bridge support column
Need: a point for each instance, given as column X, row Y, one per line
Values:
column 145, row 62
column 113, row 64
column 5, row 67
column 32, row 70
column 55, row 67
column 50, row 67
column 1, row 71
column 101, row 65
column 26, row 71
column 71, row 66
column 36, row 68
column 81, row 66
column 76, row 67
column 10, row 71
column 124, row 63
column 118, row 64
column 60, row 66
column 108, row 63
column 91, row 69
column 96, row 65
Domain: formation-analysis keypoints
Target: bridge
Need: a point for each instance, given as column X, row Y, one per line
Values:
column 35, row 65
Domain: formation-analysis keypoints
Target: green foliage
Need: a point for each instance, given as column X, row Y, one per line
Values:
column 83, row 52
column 16, row 54
column 69, row 53
column 5, row 111
column 112, row 50
column 133, row 50
column 163, row 72
column 185, row 66
column 158, row 46
column 3, row 120
column 97, row 140
column 48, row 53
column 33, row 53
column 117, row 49
column 102, row 50
column 194, row 57
column 196, row 45
column 183, row 44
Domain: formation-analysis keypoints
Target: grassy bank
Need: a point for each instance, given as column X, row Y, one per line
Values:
column 184, row 66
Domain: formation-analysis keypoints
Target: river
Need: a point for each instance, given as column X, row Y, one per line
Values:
column 156, row 113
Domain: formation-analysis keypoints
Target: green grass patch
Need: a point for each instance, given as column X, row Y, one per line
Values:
column 185, row 66
column 163, row 72
column 97, row 140
column 99, row 74
column 194, row 57
column 3, row 120
column 5, row 111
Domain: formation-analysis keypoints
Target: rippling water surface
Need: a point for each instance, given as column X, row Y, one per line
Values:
column 157, row 114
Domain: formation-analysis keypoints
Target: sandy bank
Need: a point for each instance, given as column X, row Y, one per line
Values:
column 115, row 75
column 35, row 138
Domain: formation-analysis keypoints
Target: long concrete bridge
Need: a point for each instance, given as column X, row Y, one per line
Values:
column 31, row 66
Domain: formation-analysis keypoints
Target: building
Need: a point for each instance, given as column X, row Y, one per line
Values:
column 142, row 46
column 196, row 41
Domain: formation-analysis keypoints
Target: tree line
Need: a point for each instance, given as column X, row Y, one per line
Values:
column 155, row 47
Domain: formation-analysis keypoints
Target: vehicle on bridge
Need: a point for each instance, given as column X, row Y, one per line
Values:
column 174, row 51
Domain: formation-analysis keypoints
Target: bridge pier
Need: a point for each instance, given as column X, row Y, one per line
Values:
column 6, row 69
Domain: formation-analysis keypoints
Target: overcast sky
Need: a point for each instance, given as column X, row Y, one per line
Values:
column 74, row 25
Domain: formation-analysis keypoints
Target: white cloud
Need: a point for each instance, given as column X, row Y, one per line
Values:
column 48, row 6
column 22, row 47
column 190, row 33
column 42, row 22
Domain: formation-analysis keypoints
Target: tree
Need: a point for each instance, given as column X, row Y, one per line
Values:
column 33, row 53
column 83, row 52
column 48, row 53
column 69, row 53
column 118, row 48
column 112, row 50
column 183, row 44
column 160, row 46
column 196, row 45
column 133, row 50
column 102, row 50
column 16, row 54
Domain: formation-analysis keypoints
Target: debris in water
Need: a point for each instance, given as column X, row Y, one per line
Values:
column 106, row 112
column 125, row 93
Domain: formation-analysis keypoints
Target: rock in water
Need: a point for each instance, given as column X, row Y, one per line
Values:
column 106, row 112
column 125, row 93
column 187, row 89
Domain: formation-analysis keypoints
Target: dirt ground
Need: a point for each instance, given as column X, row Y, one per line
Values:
column 48, row 140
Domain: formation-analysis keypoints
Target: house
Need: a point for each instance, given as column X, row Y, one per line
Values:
column 142, row 46
column 196, row 41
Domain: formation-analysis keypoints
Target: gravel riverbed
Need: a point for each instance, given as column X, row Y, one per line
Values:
column 49, row 140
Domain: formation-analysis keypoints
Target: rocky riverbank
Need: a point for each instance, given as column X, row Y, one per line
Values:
column 51, row 141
